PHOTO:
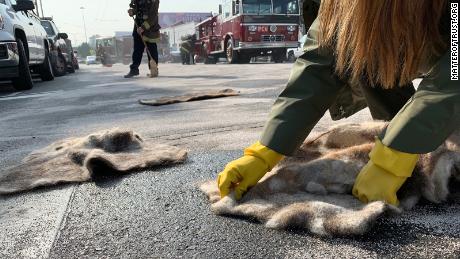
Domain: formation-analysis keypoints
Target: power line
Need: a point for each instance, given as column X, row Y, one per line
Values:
column 84, row 22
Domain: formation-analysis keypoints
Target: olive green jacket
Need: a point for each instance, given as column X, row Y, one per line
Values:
column 420, row 120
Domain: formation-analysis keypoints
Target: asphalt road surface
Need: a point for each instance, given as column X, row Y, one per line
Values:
column 160, row 213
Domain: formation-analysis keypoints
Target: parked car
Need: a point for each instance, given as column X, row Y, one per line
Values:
column 91, row 60
column 60, row 48
column 24, row 47
column 293, row 54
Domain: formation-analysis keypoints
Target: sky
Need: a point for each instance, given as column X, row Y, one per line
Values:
column 104, row 17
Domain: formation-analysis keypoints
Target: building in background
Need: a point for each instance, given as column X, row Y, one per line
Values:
column 175, row 33
column 92, row 40
column 177, row 25
column 123, row 34
column 169, row 19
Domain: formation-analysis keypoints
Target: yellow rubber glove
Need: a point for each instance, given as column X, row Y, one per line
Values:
column 246, row 171
column 384, row 175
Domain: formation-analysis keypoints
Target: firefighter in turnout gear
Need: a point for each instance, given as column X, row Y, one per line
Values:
column 186, row 50
column 146, row 35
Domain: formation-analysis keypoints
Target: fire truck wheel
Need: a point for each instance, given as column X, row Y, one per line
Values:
column 232, row 55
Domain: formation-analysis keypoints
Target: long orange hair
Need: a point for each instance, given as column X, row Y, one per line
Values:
column 384, row 41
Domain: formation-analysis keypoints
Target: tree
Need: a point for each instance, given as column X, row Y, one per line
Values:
column 84, row 50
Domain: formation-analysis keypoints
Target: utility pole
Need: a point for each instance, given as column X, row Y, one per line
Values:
column 41, row 7
column 36, row 7
column 84, row 23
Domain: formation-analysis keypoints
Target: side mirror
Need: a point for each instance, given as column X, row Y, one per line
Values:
column 220, row 9
column 63, row 36
column 24, row 5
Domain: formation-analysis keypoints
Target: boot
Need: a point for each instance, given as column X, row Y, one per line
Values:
column 132, row 73
column 153, row 69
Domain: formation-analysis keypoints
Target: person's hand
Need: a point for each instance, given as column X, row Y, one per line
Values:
column 376, row 184
column 140, row 30
column 240, row 175
column 131, row 12
column 245, row 172
column 384, row 175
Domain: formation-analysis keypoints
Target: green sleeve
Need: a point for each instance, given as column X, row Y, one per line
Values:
column 311, row 90
column 430, row 116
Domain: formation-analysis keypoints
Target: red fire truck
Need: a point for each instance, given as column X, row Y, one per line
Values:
column 249, row 28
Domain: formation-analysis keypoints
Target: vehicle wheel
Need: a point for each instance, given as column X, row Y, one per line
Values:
column 59, row 66
column 24, row 81
column 232, row 55
column 291, row 56
column 46, row 69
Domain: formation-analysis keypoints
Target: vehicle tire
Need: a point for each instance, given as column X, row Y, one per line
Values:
column 59, row 65
column 24, row 80
column 291, row 56
column 46, row 69
column 232, row 55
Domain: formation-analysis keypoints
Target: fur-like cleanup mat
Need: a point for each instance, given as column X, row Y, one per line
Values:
column 111, row 152
column 312, row 189
column 199, row 96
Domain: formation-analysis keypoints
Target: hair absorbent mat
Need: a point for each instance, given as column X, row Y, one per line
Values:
column 312, row 189
column 114, row 152
column 198, row 96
